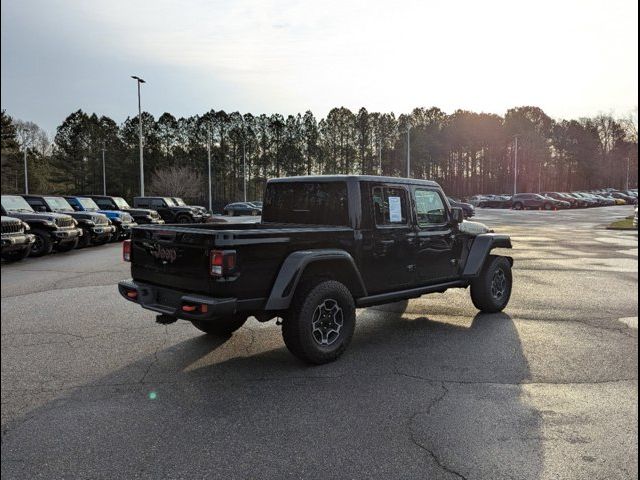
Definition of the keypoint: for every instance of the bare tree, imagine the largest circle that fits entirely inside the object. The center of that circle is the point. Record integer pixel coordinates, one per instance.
(176, 181)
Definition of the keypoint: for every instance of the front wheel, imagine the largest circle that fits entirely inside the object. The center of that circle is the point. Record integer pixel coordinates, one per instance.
(491, 291)
(220, 327)
(85, 239)
(184, 219)
(548, 206)
(42, 244)
(321, 322)
(518, 206)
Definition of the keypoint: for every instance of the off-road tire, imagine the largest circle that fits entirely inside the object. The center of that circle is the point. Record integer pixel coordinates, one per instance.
(220, 327)
(298, 329)
(17, 255)
(43, 244)
(67, 246)
(483, 294)
(184, 219)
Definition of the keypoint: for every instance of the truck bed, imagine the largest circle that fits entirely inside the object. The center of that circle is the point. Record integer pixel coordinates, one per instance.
(177, 256)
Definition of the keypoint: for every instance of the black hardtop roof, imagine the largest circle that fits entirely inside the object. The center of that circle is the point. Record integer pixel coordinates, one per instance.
(355, 178)
(166, 196)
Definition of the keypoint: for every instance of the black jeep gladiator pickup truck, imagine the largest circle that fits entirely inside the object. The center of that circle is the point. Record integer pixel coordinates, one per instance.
(326, 245)
(51, 230)
(169, 210)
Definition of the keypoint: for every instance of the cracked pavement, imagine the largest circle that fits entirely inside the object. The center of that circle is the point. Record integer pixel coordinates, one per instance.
(93, 388)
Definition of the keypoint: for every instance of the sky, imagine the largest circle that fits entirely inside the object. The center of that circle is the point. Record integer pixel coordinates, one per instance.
(573, 58)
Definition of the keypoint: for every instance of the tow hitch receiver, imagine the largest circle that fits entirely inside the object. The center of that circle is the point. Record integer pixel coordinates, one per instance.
(163, 319)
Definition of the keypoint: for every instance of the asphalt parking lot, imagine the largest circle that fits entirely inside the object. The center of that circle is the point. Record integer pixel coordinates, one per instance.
(93, 388)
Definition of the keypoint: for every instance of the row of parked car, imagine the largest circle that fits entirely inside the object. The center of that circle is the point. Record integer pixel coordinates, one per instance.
(557, 200)
(36, 225)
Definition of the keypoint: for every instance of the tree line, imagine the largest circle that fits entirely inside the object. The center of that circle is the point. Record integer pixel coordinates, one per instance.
(466, 152)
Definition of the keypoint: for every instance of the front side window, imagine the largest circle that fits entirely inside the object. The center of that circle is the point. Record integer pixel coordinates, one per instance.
(156, 203)
(430, 208)
(389, 206)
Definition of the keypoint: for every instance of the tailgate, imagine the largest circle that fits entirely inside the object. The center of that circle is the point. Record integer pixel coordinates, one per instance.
(173, 257)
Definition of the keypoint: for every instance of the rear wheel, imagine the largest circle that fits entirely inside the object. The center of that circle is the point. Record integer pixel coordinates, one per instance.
(321, 322)
(67, 246)
(221, 327)
(42, 244)
(491, 291)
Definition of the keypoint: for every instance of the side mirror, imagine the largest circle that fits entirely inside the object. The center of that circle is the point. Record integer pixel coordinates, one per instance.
(457, 215)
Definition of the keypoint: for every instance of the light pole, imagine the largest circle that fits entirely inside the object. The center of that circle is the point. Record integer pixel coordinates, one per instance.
(244, 170)
(408, 150)
(209, 164)
(26, 170)
(104, 173)
(380, 157)
(139, 81)
(515, 168)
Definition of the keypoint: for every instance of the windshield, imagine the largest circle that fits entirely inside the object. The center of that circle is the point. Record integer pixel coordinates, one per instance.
(89, 204)
(15, 204)
(121, 203)
(180, 202)
(170, 202)
(58, 203)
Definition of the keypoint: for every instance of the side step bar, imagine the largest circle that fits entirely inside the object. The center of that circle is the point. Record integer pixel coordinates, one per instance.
(390, 297)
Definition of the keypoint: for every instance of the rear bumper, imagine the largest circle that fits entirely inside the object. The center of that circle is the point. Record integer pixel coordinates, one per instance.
(171, 302)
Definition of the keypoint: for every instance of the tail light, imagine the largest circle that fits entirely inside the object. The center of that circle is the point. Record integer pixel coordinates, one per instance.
(126, 250)
(222, 262)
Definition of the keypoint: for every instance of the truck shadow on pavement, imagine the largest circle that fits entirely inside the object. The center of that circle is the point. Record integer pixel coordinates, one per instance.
(411, 398)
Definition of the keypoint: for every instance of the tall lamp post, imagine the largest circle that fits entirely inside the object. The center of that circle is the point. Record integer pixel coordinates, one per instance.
(515, 167)
(209, 165)
(104, 172)
(139, 81)
(408, 150)
(26, 170)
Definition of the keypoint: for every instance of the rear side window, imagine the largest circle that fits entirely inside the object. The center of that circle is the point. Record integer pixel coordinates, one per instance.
(308, 203)
(389, 206)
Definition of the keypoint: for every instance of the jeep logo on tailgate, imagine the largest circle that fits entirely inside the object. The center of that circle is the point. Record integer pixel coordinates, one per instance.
(167, 255)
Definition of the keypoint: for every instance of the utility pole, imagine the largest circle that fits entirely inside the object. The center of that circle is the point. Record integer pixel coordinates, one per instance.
(139, 80)
(515, 169)
(408, 150)
(26, 170)
(628, 169)
(380, 157)
(209, 163)
(104, 173)
(244, 171)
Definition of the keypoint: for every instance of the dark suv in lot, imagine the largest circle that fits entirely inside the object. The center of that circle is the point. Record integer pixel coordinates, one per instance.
(96, 227)
(324, 246)
(142, 216)
(51, 230)
(534, 201)
(122, 222)
(16, 239)
(169, 210)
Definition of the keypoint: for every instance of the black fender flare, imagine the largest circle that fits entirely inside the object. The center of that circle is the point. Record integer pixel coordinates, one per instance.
(481, 249)
(293, 268)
